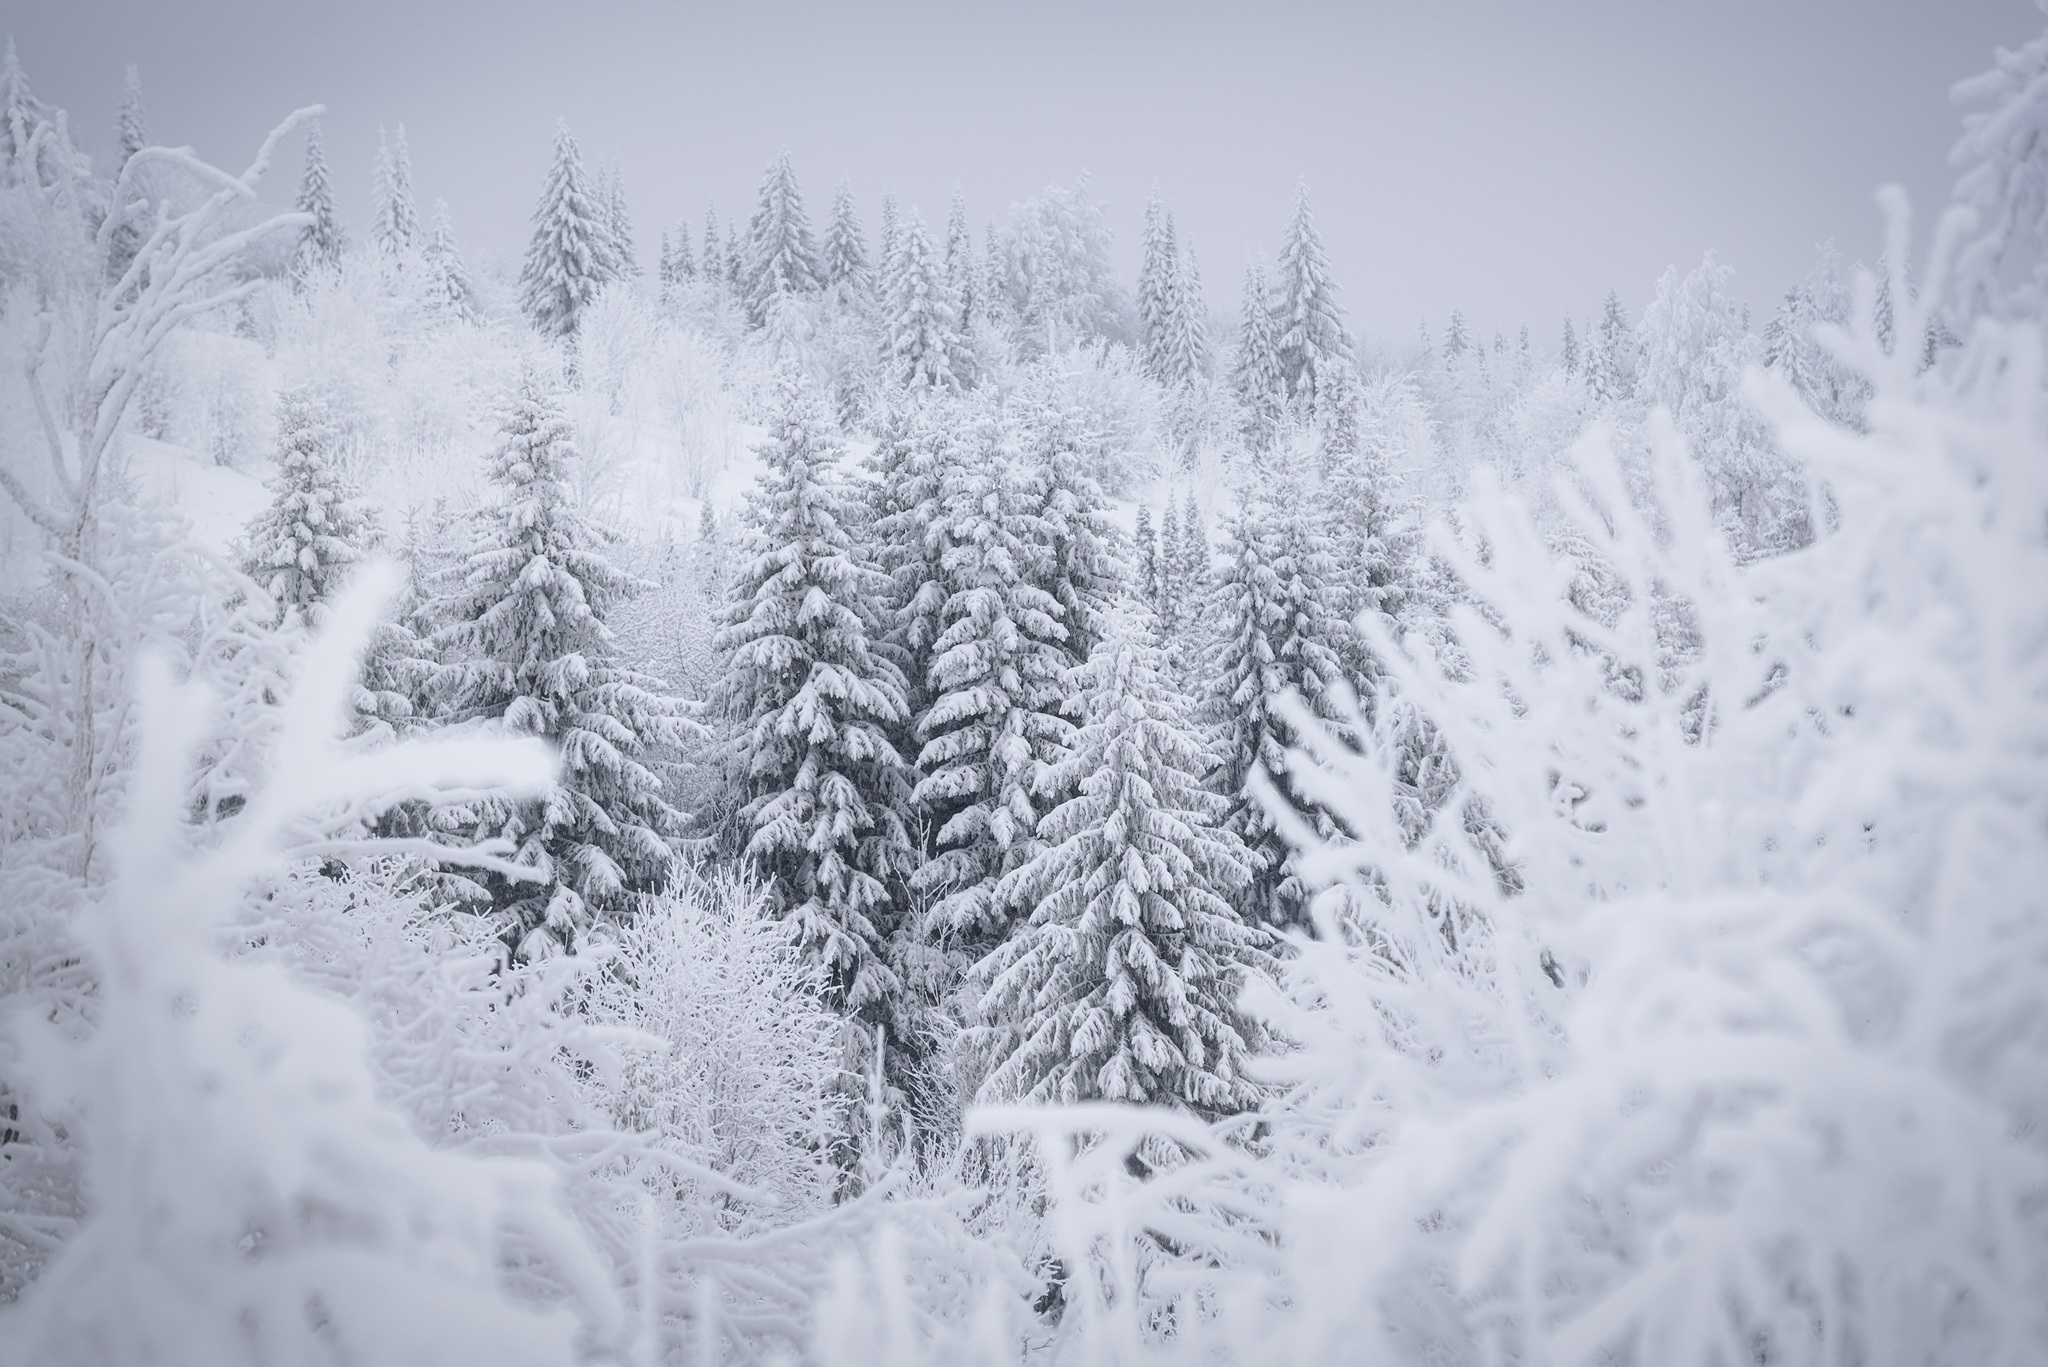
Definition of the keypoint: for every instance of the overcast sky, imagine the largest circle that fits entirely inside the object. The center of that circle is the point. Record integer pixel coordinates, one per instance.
(1510, 159)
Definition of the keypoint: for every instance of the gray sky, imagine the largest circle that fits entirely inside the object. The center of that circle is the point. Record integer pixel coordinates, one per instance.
(1510, 159)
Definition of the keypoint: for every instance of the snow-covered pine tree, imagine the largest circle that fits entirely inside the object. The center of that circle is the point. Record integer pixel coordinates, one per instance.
(619, 224)
(1568, 352)
(131, 132)
(1276, 609)
(320, 243)
(1457, 337)
(816, 709)
(1611, 354)
(1791, 349)
(1123, 984)
(734, 262)
(1081, 563)
(924, 347)
(1158, 288)
(20, 112)
(449, 288)
(1257, 377)
(316, 528)
(1147, 542)
(962, 275)
(781, 255)
(529, 652)
(994, 725)
(887, 245)
(1184, 359)
(570, 257)
(1162, 593)
(911, 535)
(848, 275)
(1308, 320)
(713, 258)
(395, 216)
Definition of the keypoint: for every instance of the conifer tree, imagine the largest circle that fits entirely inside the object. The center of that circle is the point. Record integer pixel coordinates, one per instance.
(911, 535)
(1611, 354)
(887, 246)
(817, 709)
(395, 220)
(20, 112)
(1163, 593)
(735, 262)
(713, 258)
(922, 338)
(530, 652)
(1457, 339)
(320, 243)
(1184, 359)
(1310, 324)
(619, 223)
(1148, 553)
(993, 726)
(961, 275)
(131, 133)
(449, 288)
(1279, 633)
(570, 257)
(847, 272)
(1257, 378)
(1158, 289)
(1568, 353)
(781, 256)
(1123, 984)
(1078, 563)
(678, 268)
(315, 530)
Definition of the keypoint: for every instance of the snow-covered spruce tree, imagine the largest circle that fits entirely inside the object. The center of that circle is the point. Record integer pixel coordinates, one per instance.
(909, 532)
(618, 220)
(1310, 325)
(2002, 158)
(1792, 348)
(816, 710)
(1080, 562)
(1278, 636)
(962, 274)
(316, 529)
(843, 264)
(1146, 543)
(449, 288)
(1694, 350)
(570, 257)
(678, 266)
(1256, 376)
(320, 241)
(1568, 351)
(1611, 360)
(995, 679)
(781, 260)
(529, 653)
(1184, 360)
(21, 113)
(924, 347)
(1055, 266)
(395, 215)
(1123, 983)
(1158, 291)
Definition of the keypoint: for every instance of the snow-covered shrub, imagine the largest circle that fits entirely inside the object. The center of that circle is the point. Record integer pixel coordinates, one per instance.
(248, 1193)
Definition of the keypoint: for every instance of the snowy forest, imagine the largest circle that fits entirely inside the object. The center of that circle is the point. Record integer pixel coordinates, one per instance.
(851, 786)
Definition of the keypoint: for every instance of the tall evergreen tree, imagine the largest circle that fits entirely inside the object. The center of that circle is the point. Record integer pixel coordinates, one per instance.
(1310, 324)
(1123, 984)
(619, 223)
(817, 709)
(1079, 562)
(1147, 542)
(530, 652)
(961, 275)
(313, 533)
(395, 220)
(781, 256)
(993, 726)
(1158, 289)
(713, 258)
(320, 243)
(20, 112)
(1257, 377)
(131, 132)
(1568, 352)
(922, 337)
(678, 267)
(887, 246)
(1184, 358)
(1611, 354)
(847, 271)
(1275, 607)
(570, 257)
(449, 288)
